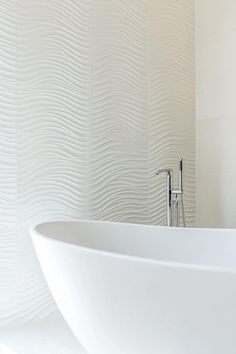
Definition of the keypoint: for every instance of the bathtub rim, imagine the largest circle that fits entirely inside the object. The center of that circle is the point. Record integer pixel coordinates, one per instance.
(171, 264)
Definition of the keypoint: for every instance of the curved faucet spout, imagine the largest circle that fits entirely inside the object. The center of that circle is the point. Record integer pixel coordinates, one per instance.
(167, 171)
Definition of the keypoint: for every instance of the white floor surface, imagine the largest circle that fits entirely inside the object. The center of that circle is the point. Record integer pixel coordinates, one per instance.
(51, 336)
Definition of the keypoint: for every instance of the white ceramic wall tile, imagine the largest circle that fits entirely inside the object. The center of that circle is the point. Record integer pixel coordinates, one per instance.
(217, 77)
(171, 100)
(7, 161)
(172, 68)
(118, 111)
(216, 145)
(216, 125)
(52, 132)
(214, 17)
(215, 200)
(105, 96)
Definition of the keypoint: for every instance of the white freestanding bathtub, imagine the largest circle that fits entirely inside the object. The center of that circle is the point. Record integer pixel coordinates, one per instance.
(136, 289)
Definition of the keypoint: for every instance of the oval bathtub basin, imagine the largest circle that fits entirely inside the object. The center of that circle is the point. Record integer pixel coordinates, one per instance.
(139, 289)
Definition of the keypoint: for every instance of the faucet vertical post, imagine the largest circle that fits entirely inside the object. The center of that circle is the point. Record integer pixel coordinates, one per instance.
(174, 196)
(168, 198)
(168, 172)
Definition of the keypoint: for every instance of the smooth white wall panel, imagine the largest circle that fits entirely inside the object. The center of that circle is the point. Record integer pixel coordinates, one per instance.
(216, 118)
(96, 96)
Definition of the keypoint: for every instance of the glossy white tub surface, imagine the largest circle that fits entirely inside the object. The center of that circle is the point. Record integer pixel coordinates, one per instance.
(138, 289)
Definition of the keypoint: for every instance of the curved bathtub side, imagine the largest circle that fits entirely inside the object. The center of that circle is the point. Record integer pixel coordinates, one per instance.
(210, 248)
(125, 306)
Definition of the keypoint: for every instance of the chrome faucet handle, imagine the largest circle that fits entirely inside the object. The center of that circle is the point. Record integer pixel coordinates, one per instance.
(167, 171)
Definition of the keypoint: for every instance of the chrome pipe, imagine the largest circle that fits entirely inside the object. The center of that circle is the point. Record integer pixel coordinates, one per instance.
(168, 172)
(174, 197)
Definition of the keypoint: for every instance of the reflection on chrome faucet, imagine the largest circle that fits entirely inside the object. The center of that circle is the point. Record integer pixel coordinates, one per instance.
(174, 197)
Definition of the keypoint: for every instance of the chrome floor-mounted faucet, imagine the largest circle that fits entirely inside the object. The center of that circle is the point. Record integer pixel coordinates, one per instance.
(174, 197)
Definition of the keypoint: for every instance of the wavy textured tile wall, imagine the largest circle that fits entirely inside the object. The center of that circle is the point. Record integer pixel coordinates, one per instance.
(118, 110)
(52, 129)
(104, 97)
(7, 160)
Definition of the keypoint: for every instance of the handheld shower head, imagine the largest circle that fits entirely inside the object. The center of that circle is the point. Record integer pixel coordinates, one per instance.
(181, 174)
